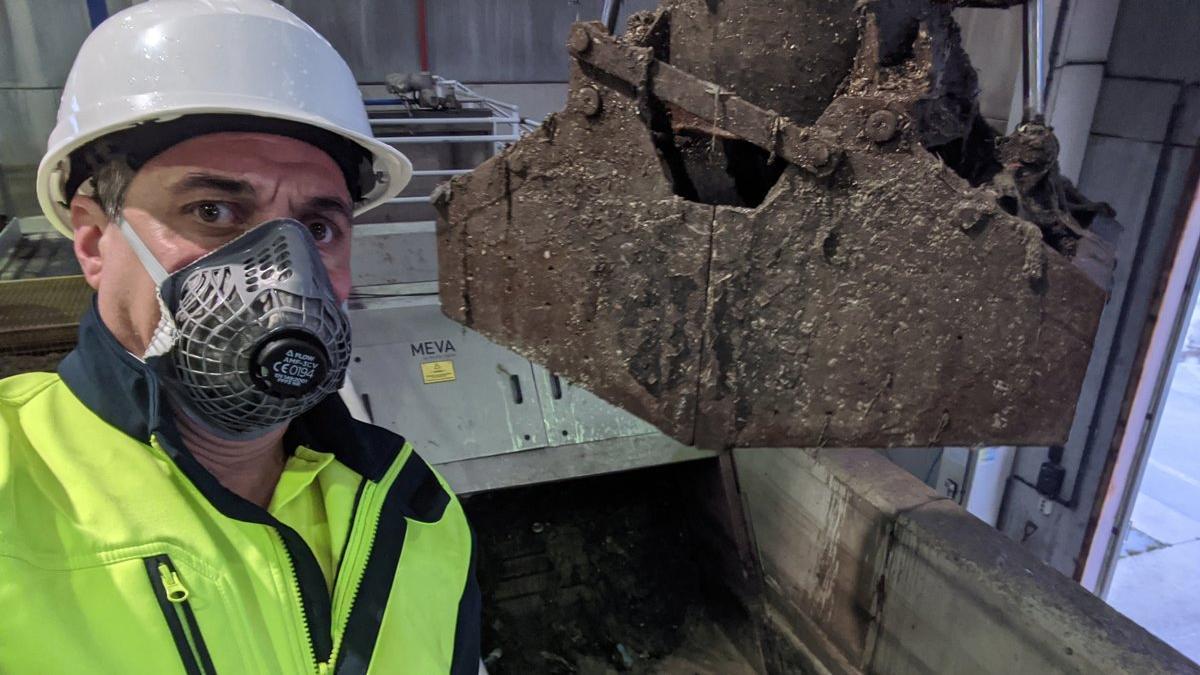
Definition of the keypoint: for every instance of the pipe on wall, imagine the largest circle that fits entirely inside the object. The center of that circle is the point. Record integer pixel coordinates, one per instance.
(423, 36)
(1033, 68)
(609, 13)
(97, 11)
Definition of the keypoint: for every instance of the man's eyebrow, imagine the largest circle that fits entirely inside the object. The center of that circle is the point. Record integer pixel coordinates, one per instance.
(330, 204)
(208, 181)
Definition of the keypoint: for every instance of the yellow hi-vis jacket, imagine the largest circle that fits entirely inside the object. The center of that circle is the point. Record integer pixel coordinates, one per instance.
(119, 553)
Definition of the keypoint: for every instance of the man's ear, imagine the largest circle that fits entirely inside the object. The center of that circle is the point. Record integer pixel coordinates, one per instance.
(88, 221)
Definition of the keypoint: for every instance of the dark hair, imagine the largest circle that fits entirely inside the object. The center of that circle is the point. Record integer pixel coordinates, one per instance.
(109, 183)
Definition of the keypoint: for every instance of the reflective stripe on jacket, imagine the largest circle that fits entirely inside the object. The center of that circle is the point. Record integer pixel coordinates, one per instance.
(119, 553)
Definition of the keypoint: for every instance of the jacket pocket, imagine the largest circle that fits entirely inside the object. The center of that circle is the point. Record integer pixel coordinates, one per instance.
(172, 597)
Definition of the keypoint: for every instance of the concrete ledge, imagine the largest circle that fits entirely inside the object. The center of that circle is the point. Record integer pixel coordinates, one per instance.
(542, 465)
(875, 572)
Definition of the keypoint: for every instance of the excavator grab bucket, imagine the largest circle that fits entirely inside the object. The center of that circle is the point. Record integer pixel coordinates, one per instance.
(785, 224)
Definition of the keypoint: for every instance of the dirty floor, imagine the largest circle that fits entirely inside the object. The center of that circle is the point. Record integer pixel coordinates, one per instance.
(598, 575)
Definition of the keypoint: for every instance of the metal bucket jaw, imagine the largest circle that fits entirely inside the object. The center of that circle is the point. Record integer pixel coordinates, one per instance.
(873, 268)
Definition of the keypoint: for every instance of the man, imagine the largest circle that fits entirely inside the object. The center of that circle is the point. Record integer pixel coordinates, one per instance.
(188, 493)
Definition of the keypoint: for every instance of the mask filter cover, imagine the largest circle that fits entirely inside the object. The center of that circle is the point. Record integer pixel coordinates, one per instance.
(289, 366)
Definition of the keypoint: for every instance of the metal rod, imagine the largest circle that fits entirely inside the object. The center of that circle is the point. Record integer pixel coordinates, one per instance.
(423, 36)
(409, 200)
(1034, 62)
(500, 138)
(608, 15)
(445, 120)
(97, 11)
(475, 98)
(442, 172)
(464, 94)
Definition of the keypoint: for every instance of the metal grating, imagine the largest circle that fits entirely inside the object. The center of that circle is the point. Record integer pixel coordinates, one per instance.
(37, 254)
(41, 315)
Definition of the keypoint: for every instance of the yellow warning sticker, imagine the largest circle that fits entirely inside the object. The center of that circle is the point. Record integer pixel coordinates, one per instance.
(433, 372)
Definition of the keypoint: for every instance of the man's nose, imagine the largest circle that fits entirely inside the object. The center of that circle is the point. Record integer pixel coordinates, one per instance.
(278, 212)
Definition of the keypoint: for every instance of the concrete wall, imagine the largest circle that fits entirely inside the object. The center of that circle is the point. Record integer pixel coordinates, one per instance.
(1080, 51)
(37, 44)
(1140, 101)
(873, 572)
(495, 41)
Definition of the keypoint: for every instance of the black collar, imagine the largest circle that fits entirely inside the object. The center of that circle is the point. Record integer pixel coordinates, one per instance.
(125, 392)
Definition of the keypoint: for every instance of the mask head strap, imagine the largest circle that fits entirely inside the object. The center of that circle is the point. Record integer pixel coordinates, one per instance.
(157, 272)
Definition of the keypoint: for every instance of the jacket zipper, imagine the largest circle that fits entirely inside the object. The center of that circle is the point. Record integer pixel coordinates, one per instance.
(325, 665)
(306, 629)
(321, 667)
(366, 542)
(172, 597)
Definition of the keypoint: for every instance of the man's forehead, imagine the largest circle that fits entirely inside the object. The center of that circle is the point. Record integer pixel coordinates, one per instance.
(249, 154)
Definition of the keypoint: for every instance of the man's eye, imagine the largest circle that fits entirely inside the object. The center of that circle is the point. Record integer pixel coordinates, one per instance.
(214, 212)
(321, 231)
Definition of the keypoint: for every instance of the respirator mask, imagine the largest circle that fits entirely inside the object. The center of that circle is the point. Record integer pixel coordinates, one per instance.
(252, 333)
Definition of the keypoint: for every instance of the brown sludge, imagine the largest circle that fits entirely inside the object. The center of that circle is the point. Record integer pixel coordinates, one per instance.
(824, 246)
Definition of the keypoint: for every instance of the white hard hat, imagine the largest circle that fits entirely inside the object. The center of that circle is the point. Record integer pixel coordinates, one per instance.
(232, 63)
